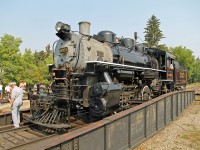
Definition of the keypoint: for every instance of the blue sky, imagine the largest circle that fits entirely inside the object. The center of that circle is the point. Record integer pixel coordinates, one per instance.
(34, 20)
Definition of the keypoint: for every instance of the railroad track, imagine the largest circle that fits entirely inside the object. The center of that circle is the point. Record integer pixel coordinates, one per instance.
(18, 137)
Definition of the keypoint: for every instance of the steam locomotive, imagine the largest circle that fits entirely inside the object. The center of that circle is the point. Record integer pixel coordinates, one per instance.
(100, 75)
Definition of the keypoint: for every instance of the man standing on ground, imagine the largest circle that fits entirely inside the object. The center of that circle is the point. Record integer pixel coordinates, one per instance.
(16, 103)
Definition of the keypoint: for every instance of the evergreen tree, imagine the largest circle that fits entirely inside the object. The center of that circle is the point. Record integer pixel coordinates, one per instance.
(153, 32)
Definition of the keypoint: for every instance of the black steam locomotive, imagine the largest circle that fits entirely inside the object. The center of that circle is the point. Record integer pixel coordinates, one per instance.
(100, 75)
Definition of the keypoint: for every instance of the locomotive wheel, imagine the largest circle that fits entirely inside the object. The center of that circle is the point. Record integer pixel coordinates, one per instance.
(146, 93)
(97, 107)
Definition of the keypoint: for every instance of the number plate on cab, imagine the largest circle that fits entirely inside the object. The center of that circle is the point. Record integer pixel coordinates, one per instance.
(63, 50)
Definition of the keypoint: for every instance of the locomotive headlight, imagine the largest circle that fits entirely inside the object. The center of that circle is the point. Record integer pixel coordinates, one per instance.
(62, 26)
(58, 26)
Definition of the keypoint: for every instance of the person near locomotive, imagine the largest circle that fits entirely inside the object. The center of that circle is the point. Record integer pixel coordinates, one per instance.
(23, 85)
(7, 90)
(42, 88)
(16, 103)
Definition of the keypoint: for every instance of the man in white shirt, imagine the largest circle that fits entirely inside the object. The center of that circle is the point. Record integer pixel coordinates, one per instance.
(16, 103)
(7, 90)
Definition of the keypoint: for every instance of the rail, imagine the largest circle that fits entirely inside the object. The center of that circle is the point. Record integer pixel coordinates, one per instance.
(19, 136)
(124, 130)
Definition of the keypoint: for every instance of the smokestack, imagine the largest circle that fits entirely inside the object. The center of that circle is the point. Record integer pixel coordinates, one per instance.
(84, 27)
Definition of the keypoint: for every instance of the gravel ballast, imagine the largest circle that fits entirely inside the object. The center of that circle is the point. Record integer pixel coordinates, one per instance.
(183, 133)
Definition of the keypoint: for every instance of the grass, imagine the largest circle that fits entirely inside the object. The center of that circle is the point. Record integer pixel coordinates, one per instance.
(193, 138)
(193, 85)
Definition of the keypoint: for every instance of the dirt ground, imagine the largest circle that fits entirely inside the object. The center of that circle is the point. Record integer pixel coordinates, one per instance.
(182, 134)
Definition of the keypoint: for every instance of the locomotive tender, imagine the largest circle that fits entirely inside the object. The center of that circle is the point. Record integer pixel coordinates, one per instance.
(100, 75)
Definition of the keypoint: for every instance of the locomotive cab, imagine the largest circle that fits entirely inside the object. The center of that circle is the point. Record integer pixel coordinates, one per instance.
(165, 61)
(173, 76)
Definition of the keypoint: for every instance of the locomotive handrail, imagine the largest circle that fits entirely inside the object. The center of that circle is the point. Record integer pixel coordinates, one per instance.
(165, 80)
(122, 65)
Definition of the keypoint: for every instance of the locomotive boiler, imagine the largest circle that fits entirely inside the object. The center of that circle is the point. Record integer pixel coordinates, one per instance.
(97, 75)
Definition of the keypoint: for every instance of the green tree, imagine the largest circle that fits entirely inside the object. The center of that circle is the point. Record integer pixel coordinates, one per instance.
(30, 67)
(9, 57)
(185, 58)
(29, 71)
(164, 47)
(195, 77)
(42, 59)
(153, 32)
(48, 50)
